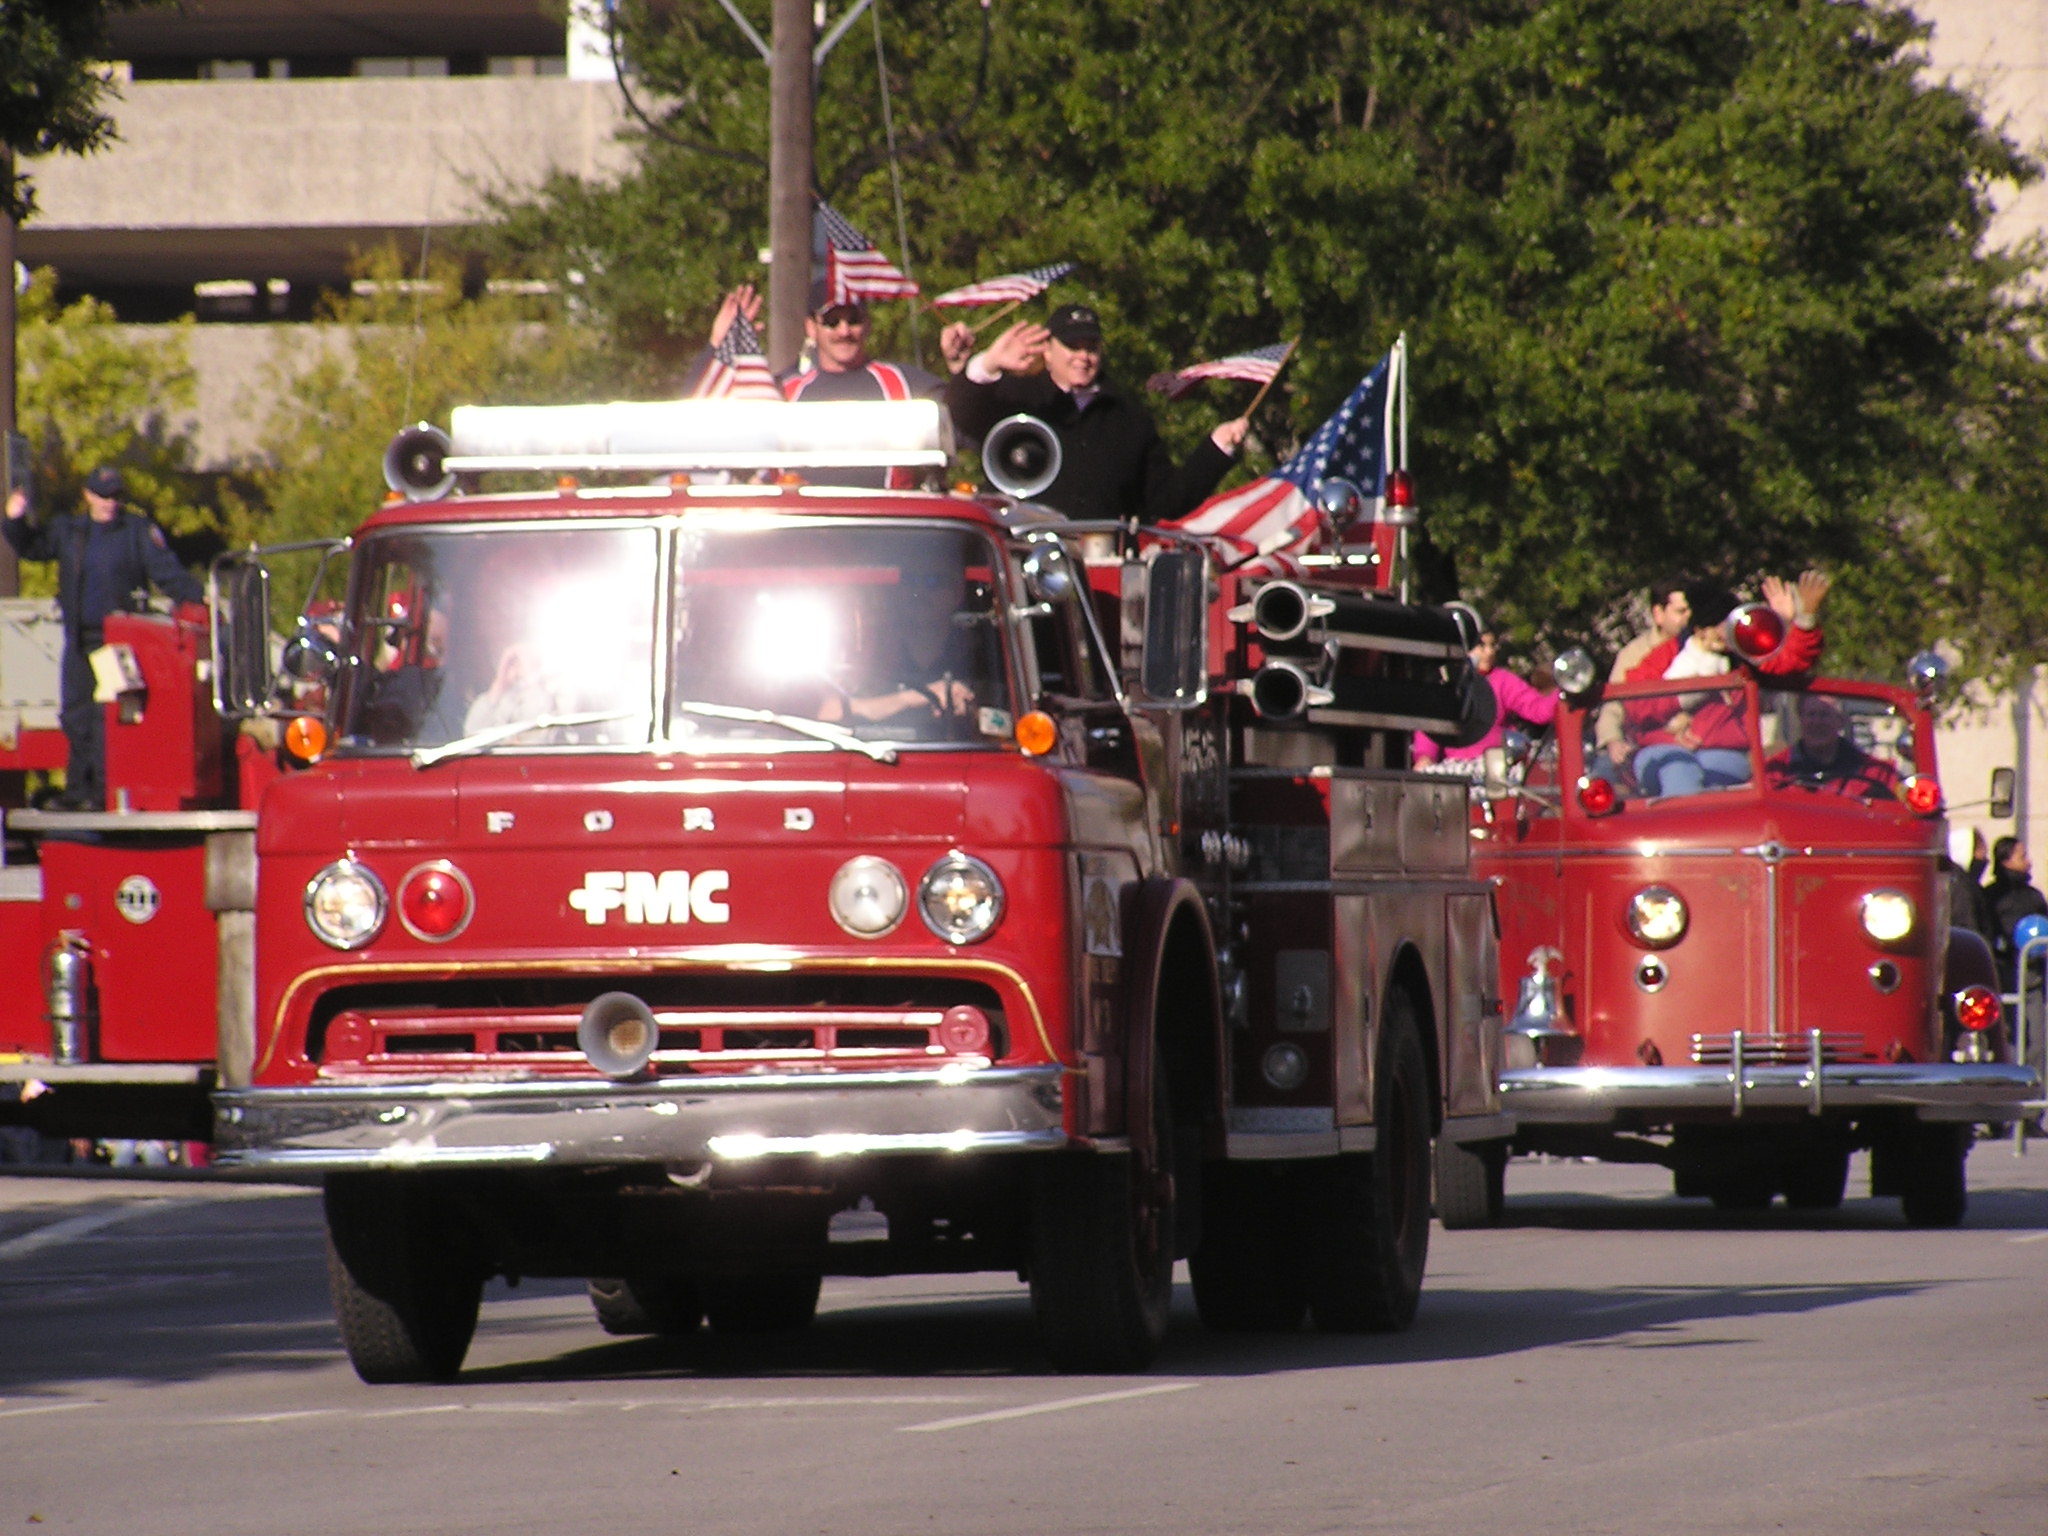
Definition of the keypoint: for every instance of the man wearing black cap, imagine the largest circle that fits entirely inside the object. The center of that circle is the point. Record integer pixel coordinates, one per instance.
(1112, 463)
(102, 559)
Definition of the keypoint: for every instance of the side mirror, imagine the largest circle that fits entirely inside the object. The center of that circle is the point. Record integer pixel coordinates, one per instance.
(239, 594)
(1173, 673)
(309, 656)
(1048, 574)
(2005, 787)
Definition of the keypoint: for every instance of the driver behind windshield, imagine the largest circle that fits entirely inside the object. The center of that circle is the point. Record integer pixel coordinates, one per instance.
(919, 673)
(1825, 759)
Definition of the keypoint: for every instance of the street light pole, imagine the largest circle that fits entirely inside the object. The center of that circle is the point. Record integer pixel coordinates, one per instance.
(790, 86)
(10, 569)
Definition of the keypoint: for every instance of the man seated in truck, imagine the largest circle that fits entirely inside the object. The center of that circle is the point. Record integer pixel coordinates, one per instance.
(921, 670)
(1824, 759)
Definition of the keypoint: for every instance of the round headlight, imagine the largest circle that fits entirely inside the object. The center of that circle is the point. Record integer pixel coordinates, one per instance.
(868, 897)
(1656, 917)
(345, 905)
(960, 899)
(1285, 1066)
(1887, 916)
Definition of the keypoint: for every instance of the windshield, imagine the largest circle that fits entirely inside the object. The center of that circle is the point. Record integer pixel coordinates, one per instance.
(1822, 743)
(885, 632)
(1686, 742)
(453, 634)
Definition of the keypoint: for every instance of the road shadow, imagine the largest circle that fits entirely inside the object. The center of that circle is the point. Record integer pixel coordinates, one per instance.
(1990, 1209)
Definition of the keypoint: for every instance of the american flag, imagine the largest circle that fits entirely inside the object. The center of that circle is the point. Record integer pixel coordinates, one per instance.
(854, 269)
(1279, 511)
(1010, 288)
(1259, 366)
(738, 370)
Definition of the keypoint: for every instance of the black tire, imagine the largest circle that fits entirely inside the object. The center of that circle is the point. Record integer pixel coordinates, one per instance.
(1818, 1181)
(1936, 1187)
(1367, 1219)
(1471, 1184)
(1742, 1190)
(778, 1302)
(406, 1285)
(1246, 1276)
(1102, 1245)
(647, 1304)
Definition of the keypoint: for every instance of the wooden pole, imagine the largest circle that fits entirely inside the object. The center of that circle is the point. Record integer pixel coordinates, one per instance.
(10, 569)
(790, 150)
(1261, 395)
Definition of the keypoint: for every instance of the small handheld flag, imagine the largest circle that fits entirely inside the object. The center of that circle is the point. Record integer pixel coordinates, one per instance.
(1259, 366)
(1010, 288)
(854, 269)
(738, 370)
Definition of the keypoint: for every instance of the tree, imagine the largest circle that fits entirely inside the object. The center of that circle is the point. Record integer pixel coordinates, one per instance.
(404, 346)
(94, 393)
(51, 93)
(1688, 283)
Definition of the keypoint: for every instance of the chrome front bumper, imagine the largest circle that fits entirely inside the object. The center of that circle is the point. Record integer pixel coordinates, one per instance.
(1958, 1091)
(340, 1127)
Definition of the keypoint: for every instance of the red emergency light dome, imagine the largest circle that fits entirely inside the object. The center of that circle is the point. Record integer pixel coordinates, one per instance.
(1922, 794)
(435, 902)
(1755, 631)
(1597, 796)
(1400, 488)
(1978, 1008)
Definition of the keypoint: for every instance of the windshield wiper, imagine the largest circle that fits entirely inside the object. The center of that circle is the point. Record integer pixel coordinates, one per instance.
(426, 757)
(817, 730)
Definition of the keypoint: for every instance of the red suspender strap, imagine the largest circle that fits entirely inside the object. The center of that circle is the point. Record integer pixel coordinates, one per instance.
(793, 389)
(890, 377)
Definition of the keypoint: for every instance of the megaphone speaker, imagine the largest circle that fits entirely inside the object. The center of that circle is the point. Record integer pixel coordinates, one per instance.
(413, 463)
(1021, 455)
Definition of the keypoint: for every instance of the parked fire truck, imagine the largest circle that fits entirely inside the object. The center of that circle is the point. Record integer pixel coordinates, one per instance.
(1751, 975)
(697, 860)
(126, 933)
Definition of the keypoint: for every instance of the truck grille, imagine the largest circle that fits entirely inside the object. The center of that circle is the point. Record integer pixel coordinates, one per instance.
(1781, 1050)
(708, 1024)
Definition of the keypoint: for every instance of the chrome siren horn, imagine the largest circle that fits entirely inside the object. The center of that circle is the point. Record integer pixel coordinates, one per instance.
(413, 463)
(618, 1033)
(1021, 456)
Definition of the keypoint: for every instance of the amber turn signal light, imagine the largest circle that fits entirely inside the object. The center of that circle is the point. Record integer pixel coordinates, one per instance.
(306, 738)
(1036, 733)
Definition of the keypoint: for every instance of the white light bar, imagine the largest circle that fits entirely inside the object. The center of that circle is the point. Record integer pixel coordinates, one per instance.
(700, 434)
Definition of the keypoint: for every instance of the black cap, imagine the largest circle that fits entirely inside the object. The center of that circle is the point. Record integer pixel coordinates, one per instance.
(106, 481)
(822, 298)
(1074, 325)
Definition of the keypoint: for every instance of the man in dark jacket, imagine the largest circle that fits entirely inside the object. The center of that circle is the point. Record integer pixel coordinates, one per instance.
(103, 557)
(1112, 463)
(2010, 896)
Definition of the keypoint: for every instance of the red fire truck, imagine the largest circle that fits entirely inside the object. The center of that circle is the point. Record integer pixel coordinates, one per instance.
(696, 860)
(1744, 970)
(126, 933)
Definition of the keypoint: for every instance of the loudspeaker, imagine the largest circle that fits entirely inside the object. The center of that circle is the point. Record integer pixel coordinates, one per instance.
(1021, 456)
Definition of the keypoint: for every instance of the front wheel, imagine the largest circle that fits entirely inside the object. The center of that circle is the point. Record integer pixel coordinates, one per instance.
(1818, 1181)
(1247, 1278)
(1471, 1184)
(406, 1287)
(1102, 1245)
(780, 1302)
(1936, 1188)
(1368, 1216)
(639, 1304)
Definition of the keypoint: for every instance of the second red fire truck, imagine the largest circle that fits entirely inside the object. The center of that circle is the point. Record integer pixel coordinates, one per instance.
(697, 859)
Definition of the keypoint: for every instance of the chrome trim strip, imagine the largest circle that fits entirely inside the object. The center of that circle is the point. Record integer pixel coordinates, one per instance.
(146, 1074)
(1937, 1090)
(132, 821)
(685, 1118)
(1283, 1146)
(1464, 1128)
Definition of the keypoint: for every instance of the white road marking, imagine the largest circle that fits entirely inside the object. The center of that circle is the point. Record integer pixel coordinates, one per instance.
(2031, 1237)
(1058, 1405)
(22, 1413)
(587, 1405)
(1630, 1306)
(71, 1227)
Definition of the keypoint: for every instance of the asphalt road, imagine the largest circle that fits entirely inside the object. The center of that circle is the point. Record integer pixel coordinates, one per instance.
(1615, 1360)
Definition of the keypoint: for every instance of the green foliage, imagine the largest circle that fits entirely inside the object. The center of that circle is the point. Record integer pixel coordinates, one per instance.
(1689, 284)
(399, 349)
(91, 392)
(50, 91)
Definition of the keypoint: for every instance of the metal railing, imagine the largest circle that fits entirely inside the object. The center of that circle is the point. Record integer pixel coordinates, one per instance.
(2024, 1030)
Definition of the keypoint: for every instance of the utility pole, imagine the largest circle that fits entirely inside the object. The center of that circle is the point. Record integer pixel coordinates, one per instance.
(790, 85)
(10, 569)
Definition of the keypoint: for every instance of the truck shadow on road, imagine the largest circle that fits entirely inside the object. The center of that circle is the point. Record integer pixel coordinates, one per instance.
(1992, 1209)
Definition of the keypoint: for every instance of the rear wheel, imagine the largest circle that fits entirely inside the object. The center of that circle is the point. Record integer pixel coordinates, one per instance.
(780, 1302)
(1246, 1276)
(1102, 1244)
(406, 1285)
(1818, 1180)
(1368, 1216)
(1471, 1184)
(1936, 1189)
(647, 1304)
(1743, 1189)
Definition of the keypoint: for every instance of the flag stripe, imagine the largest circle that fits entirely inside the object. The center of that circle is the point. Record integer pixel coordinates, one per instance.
(1011, 287)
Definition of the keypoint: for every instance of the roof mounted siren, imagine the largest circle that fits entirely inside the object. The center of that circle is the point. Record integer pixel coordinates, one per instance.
(415, 463)
(1021, 456)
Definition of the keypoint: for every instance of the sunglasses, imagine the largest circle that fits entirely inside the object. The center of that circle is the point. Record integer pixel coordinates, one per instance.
(842, 314)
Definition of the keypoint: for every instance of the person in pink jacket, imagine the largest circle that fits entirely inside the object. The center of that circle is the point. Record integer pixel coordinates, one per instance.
(1516, 698)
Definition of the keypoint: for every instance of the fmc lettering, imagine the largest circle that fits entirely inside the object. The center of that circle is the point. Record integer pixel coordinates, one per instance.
(672, 896)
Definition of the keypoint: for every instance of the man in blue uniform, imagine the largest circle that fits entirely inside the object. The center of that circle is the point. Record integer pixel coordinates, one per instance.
(103, 558)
